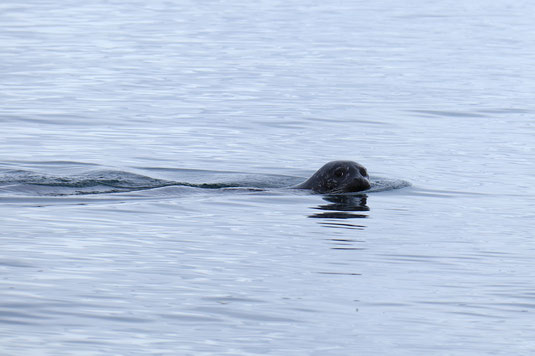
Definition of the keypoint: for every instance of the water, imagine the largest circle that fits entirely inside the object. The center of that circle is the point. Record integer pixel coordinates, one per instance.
(261, 94)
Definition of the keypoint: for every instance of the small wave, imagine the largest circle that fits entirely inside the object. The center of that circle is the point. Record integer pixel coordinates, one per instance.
(110, 181)
(384, 184)
(115, 179)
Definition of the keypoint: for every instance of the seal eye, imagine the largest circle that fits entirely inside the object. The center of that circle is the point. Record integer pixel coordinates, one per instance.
(339, 173)
(363, 172)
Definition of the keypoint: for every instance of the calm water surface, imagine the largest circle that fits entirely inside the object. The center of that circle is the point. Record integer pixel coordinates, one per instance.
(103, 100)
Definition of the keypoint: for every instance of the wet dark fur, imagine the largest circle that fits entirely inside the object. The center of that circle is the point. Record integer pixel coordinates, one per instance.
(338, 177)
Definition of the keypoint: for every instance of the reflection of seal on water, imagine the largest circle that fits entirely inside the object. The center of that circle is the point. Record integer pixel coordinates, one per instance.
(338, 177)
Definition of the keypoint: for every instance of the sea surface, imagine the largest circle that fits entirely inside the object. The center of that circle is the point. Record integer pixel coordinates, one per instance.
(147, 150)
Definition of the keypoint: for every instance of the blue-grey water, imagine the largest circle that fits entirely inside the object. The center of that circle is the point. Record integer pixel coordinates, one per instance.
(146, 148)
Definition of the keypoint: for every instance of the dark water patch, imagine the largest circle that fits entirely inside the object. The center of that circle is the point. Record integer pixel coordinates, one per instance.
(190, 318)
(118, 318)
(57, 119)
(228, 300)
(14, 322)
(247, 316)
(341, 273)
(297, 125)
(438, 193)
(451, 114)
(485, 315)
(77, 310)
(345, 120)
(408, 258)
(481, 309)
(92, 343)
(12, 263)
(337, 225)
(342, 242)
(505, 111)
(21, 315)
(517, 305)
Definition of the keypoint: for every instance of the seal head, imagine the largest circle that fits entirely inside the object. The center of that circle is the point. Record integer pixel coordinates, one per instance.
(338, 177)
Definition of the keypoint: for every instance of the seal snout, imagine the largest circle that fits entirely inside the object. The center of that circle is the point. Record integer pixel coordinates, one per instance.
(361, 183)
(365, 183)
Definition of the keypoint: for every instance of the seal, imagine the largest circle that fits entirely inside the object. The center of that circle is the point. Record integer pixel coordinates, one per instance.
(338, 177)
